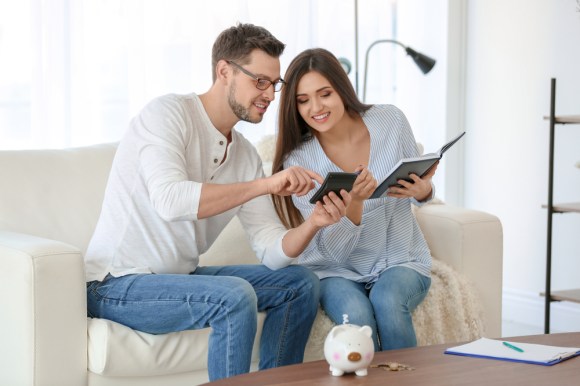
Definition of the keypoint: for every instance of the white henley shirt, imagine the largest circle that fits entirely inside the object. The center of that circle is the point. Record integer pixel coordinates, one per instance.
(148, 221)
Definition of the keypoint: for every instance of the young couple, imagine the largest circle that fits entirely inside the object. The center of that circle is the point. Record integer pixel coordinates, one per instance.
(182, 172)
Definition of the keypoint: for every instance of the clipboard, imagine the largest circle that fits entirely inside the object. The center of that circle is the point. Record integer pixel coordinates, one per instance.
(537, 354)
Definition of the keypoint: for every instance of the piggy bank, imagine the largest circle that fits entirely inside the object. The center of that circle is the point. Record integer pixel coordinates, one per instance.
(349, 348)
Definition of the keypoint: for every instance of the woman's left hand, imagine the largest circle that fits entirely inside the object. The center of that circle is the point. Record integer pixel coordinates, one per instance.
(364, 185)
(420, 188)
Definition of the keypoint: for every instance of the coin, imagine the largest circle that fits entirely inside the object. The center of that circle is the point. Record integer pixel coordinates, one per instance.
(393, 366)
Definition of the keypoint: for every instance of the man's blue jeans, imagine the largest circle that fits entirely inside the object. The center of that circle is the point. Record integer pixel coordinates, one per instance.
(225, 298)
(386, 306)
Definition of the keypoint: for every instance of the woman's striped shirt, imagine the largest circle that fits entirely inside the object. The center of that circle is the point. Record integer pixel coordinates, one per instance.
(388, 235)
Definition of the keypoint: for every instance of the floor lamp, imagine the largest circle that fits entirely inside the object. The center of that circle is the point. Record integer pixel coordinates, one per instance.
(424, 62)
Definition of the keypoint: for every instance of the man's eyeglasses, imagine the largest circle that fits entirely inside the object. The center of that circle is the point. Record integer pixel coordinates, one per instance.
(261, 83)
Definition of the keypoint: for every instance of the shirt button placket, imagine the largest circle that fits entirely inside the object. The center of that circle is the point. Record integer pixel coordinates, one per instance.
(216, 160)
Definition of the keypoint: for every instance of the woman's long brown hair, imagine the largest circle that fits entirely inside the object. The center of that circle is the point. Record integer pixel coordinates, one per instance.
(292, 129)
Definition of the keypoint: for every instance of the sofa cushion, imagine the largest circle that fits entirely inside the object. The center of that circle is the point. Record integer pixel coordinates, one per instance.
(116, 350)
(54, 193)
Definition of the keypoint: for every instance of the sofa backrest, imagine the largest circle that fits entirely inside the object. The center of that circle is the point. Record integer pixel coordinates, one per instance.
(55, 194)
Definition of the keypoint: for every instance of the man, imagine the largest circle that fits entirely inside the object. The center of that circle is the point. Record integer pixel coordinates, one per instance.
(179, 176)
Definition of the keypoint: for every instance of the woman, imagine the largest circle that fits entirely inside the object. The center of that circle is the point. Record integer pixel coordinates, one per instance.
(374, 264)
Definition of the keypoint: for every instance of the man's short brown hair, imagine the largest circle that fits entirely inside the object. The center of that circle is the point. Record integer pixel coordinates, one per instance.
(236, 43)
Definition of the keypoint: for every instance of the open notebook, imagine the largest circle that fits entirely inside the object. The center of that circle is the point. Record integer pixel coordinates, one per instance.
(538, 354)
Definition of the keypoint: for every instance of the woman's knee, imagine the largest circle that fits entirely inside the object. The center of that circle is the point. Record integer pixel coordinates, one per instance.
(341, 297)
(402, 280)
(401, 289)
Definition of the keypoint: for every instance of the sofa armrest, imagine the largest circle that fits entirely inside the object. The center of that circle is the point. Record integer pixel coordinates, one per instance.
(43, 323)
(472, 243)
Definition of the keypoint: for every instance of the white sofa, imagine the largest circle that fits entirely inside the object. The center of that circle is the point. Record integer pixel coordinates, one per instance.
(49, 204)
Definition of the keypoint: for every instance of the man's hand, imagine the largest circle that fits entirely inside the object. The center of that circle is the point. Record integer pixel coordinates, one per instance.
(420, 188)
(294, 180)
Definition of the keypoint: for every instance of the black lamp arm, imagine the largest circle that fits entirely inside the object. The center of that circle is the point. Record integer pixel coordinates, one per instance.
(424, 62)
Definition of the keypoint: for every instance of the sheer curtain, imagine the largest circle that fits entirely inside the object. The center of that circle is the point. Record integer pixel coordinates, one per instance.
(74, 72)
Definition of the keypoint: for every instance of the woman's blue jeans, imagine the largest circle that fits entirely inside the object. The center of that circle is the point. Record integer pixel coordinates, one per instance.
(386, 306)
(227, 299)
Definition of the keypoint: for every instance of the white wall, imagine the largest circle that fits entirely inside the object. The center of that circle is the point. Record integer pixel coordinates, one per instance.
(513, 49)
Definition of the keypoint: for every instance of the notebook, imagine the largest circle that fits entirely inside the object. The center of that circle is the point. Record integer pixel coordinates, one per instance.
(538, 354)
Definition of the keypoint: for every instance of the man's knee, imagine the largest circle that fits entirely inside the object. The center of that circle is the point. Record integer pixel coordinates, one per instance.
(305, 282)
(240, 297)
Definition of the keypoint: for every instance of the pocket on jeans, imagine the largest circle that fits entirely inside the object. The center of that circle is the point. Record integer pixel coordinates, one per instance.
(99, 289)
(90, 286)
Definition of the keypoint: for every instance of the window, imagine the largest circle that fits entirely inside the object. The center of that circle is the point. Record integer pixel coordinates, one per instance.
(74, 72)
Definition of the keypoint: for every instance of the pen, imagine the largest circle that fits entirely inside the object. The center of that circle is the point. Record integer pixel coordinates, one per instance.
(513, 347)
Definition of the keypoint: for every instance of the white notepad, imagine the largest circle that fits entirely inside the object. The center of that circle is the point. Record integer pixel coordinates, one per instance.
(538, 354)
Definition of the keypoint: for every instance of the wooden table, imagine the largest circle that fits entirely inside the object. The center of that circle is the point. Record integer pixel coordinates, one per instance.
(432, 367)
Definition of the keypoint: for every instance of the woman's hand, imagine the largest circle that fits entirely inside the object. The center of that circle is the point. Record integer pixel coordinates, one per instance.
(326, 212)
(330, 210)
(364, 185)
(420, 188)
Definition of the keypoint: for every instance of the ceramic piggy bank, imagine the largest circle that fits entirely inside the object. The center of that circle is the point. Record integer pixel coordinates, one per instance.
(349, 348)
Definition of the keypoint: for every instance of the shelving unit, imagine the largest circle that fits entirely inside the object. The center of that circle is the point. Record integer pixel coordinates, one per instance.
(569, 295)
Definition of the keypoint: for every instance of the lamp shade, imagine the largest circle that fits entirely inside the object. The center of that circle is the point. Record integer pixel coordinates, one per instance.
(345, 63)
(424, 62)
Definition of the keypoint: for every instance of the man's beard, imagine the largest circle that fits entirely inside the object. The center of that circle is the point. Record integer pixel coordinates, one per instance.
(243, 113)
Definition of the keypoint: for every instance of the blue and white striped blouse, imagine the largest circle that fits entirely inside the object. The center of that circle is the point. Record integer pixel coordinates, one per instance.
(388, 235)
